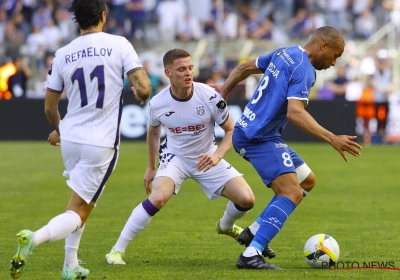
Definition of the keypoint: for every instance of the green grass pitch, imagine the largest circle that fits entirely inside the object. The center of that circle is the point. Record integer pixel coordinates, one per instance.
(356, 202)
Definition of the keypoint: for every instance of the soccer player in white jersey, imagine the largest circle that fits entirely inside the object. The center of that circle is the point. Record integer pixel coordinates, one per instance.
(281, 96)
(91, 68)
(189, 111)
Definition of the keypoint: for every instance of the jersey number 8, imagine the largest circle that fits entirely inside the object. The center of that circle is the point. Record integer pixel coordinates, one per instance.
(260, 89)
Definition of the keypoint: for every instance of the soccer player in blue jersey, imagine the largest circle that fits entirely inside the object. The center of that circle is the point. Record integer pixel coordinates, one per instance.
(281, 96)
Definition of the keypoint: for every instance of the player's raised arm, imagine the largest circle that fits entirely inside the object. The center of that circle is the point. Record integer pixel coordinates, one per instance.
(141, 84)
(238, 74)
(301, 118)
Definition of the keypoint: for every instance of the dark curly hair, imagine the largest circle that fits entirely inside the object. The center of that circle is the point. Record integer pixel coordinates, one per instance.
(87, 13)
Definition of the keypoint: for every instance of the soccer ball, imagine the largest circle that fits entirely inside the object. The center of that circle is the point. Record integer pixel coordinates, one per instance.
(321, 251)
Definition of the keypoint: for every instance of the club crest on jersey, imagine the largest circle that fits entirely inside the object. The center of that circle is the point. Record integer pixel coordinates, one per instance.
(200, 111)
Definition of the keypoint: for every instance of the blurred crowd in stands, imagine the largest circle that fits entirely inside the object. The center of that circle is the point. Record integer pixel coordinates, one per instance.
(32, 30)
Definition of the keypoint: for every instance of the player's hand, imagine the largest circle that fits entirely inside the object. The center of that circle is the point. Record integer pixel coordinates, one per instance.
(148, 178)
(345, 143)
(137, 97)
(207, 161)
(54, 138)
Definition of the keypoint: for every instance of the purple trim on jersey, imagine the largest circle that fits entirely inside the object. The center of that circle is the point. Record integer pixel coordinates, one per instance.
(149, 207)
(106, 176)
(55, 91)
(118, 136)
(133, 70)
(181, 100)
(224, 122)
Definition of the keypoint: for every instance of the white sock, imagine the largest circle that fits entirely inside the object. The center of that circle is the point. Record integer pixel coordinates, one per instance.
(137, 222)
(230, 216)
(251, 251)
(71, 248)
(254, 227)
(58, 228)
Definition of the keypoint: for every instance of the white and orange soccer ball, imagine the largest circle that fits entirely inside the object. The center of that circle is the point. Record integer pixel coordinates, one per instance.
(321, 251)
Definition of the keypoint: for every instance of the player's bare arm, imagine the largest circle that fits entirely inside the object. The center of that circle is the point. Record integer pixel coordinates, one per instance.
(240, 73)
(141, 84)
(208, 161)
(301, 118)
(153, 144)
(53, 115)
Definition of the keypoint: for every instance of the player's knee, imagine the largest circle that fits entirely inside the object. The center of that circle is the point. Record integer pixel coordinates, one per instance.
(247, 201)
(158, 199)
(297, 196)
(309, 182)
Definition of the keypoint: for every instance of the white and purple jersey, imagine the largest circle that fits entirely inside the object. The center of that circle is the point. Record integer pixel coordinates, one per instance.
(288, 74)
(92, 69)
(190, 122)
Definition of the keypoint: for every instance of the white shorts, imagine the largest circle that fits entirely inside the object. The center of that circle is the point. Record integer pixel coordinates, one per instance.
(88, 168)
(212, 181)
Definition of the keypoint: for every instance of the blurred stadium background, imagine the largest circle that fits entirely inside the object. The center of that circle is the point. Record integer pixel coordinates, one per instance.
(219, 34)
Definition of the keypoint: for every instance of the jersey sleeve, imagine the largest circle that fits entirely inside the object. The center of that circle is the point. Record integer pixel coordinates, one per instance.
(130, 59)
(300, 84)
(153, 120)
(55, 81)
(262, 62)
(219, 109)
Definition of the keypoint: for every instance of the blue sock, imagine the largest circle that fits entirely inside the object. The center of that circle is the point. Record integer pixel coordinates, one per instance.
(259, 219)
(274, 216)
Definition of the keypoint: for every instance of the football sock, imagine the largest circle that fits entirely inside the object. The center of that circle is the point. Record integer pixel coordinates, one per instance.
(60, 227)
(71, 248)
(138, 221)
(272, 221)
(259, 219)
(232, 213)
(251, 251)
(254, 227)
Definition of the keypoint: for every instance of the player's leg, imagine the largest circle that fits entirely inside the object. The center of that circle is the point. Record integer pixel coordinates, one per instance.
(241, 200)
(306, 179)
(224, 180)
(168, 181)
(87, 169)
(60, 227)
(289, 195)
(271, 161)
(163, 189)
(88, 178)
(71, 268)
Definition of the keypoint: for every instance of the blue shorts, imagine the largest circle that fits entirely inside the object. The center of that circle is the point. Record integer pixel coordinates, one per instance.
(270, 159)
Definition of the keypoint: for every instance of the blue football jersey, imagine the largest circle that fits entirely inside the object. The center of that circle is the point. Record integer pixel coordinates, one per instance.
(288, 74)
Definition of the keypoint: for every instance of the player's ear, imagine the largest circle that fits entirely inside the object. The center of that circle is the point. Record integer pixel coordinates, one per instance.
(103, 16)
(167, 72)
(324, 45)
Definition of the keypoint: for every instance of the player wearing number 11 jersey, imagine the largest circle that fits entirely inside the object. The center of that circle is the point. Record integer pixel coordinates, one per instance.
(91, 70)
(281, 96)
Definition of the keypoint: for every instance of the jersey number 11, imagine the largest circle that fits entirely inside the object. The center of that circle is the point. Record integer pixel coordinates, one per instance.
(98, 72)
